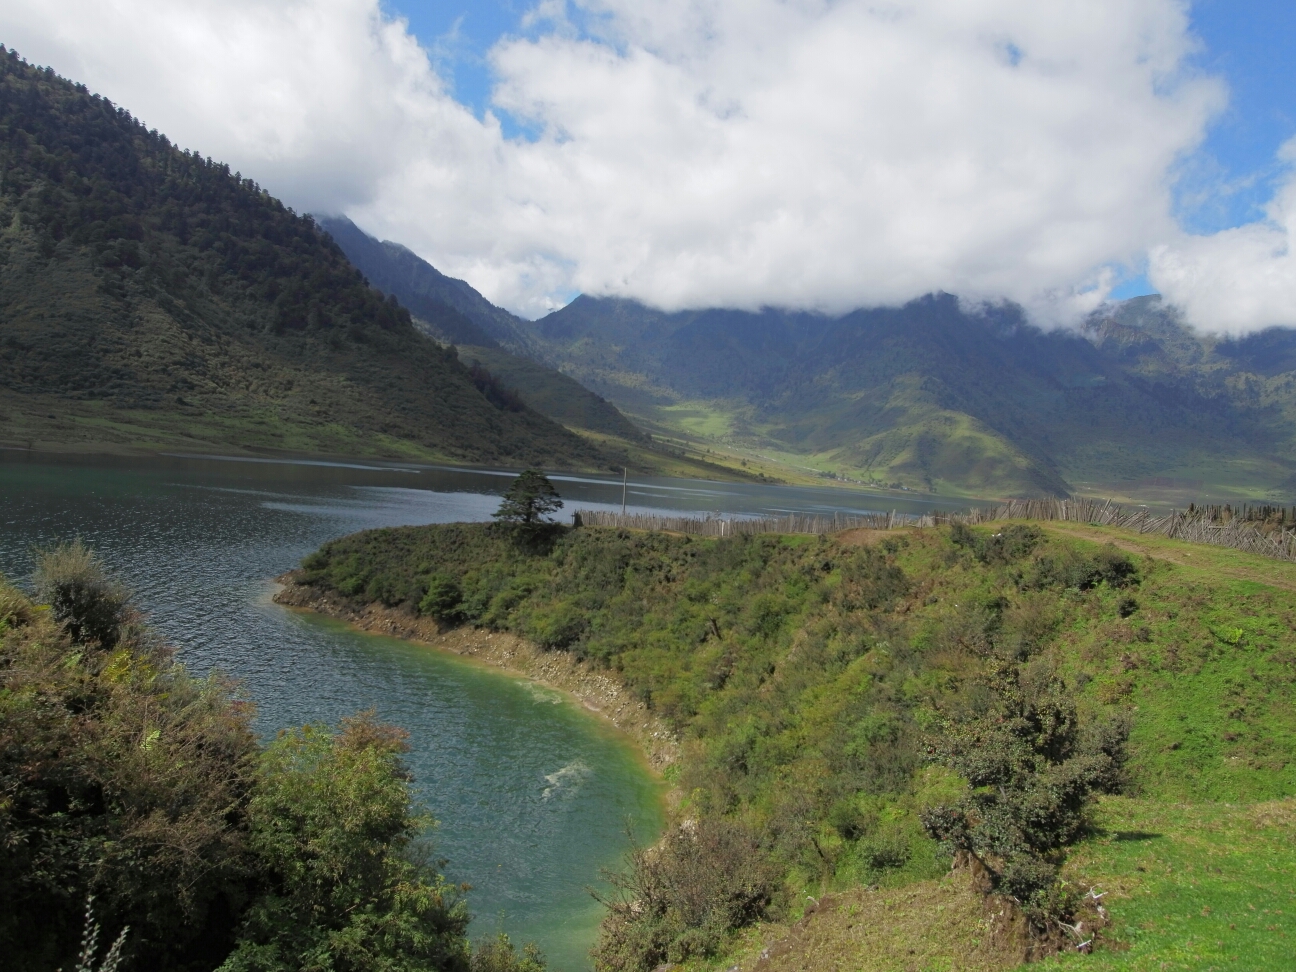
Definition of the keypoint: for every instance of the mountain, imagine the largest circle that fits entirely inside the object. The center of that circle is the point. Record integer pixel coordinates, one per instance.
(151, 298)
(936, 396)
(428, 293)
(453, 312)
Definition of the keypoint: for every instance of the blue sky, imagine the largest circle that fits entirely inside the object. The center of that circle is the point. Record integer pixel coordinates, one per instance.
(1251, 44)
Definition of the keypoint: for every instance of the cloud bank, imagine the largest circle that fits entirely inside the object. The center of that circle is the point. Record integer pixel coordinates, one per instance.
(688, 153)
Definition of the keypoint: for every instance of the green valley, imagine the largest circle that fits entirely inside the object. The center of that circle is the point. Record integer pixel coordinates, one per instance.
(959, 401)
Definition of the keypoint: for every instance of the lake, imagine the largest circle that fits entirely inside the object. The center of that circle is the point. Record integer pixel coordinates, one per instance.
(533, 794)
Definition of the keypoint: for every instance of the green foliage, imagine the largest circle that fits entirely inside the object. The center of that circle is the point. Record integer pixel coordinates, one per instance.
(1010, 544)
(127, 782)
(1034, 768)
(148, 293)
(91, 605)
(443, 598)
(528, 500)
(803, 675)
(499, 954)
(681, 898)
(1084, 572)
(123, 778)
(332, 824)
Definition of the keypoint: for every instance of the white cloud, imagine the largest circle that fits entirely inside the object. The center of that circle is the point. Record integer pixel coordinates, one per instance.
(1237, 280)
(694, 152)
(319, 100)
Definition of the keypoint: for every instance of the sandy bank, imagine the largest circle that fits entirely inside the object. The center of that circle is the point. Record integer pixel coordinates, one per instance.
(592, 686)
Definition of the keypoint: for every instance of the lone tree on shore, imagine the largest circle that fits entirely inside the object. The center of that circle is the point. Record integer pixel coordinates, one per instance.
(528, 500)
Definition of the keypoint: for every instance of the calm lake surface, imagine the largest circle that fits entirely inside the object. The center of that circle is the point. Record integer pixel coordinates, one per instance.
(533, 794)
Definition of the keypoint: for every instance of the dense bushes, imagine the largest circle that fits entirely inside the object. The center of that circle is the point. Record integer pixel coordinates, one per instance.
(803, 673)
(331, 828)
(126, 779)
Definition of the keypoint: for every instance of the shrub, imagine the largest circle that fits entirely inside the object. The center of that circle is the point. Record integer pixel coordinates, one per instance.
(333, 826)
(1034, 768)
(443, 598)
(1072, 569)
(499, 954)
(1010, 544)
(124, 778)
(93, 606)
(681, 899)
(558, 627)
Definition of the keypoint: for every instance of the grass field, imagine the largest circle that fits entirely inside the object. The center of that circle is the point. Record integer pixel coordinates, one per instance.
(1191, 886)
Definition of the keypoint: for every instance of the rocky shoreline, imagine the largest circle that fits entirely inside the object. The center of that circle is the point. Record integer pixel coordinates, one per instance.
(596, 689)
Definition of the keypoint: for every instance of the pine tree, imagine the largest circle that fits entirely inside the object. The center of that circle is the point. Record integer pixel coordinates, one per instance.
(528, 499)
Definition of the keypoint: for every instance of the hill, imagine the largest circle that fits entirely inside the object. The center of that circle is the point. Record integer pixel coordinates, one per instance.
(450, 311)
(836, 697)
(151, 298)
(939, 397)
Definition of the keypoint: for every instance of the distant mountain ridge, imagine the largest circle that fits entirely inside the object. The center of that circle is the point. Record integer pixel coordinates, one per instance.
(151, 298)
(935, 397)
(450, 305)
(504, 344)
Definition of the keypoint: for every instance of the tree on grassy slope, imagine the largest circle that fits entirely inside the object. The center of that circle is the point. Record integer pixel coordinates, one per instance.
(1034, 767)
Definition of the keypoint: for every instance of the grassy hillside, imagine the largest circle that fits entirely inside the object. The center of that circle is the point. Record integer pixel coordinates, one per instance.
(938, 397)
(813, 678)
(151, 298)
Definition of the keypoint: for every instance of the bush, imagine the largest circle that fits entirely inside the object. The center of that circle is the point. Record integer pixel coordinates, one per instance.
(443, 598)
(1010, 544)
(682, 898)
(332, 824)
(558, 627)
(499, 954)
(123, 778)
(1034, 768)
(1072, 569)
(91, 605)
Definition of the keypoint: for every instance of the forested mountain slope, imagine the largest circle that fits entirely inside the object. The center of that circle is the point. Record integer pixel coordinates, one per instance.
(450, 305)
(152, 298)
(451, 311)
(936, 396)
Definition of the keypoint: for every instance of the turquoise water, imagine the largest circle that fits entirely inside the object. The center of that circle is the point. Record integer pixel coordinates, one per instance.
(533, 794)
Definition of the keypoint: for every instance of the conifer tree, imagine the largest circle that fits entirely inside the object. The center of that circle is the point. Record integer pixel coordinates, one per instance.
(528, 500)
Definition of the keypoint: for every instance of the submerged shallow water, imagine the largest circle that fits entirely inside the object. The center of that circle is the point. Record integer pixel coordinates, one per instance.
(533, 794)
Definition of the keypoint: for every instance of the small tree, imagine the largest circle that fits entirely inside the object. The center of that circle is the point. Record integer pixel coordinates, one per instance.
(528, 500)
(1034, 767)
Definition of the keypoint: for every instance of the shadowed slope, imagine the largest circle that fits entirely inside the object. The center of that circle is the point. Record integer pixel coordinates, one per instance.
(150, 297)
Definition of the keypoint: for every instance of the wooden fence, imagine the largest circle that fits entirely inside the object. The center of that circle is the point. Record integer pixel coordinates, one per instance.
(1207, 526)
